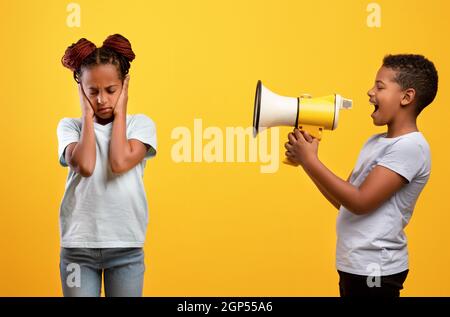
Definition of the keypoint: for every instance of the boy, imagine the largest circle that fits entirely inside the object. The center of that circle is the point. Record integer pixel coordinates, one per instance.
(377, 200)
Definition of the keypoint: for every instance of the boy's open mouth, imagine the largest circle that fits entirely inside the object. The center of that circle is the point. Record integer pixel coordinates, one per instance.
(375, 105)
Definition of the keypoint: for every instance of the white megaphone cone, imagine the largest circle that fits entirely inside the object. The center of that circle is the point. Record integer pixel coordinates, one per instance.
(273, 110)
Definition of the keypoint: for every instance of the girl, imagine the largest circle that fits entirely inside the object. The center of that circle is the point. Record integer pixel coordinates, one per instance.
(103, 213)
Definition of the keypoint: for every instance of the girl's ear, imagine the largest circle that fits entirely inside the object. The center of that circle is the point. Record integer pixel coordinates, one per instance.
(408, 96)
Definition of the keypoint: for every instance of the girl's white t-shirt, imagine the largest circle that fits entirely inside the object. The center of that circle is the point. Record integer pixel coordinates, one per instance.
(105, 210)
(375, 243)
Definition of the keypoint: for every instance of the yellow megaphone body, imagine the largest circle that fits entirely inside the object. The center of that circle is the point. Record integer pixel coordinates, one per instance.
(312, 114)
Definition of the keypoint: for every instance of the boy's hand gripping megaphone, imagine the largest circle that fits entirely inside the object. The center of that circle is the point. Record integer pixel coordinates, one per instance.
(311, 114)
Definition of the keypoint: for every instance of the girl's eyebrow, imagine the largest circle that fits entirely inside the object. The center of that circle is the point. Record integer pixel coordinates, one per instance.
(379, 81)
(92, 87)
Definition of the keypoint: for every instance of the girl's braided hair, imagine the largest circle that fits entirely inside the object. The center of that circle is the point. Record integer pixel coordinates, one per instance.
(116, 50)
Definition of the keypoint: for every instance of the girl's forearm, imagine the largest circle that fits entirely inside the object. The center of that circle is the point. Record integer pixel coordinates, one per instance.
(119, 147)
(84, 153)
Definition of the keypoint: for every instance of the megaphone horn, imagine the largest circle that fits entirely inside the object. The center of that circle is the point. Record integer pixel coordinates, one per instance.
(271, 109)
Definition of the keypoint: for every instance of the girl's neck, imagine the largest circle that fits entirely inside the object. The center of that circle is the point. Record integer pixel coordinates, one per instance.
(103, 121)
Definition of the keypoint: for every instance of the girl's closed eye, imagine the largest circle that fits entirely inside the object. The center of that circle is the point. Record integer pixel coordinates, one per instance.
(93, 93)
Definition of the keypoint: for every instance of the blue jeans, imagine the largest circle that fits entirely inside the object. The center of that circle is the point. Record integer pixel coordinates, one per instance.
(81, 272)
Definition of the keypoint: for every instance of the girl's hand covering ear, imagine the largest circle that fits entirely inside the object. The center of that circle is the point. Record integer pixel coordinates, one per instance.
(86, 107)
(121, 106)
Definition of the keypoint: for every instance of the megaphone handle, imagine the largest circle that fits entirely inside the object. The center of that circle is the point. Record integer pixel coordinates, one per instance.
(287, 162)
(312, 130)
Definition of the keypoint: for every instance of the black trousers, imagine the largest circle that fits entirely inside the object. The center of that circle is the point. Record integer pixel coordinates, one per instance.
(389, 286)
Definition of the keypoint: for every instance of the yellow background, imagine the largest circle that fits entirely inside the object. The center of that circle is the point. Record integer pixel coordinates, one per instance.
(217, 229)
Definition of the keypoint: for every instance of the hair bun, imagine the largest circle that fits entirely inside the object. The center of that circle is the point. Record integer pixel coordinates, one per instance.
(121, 45)
(76, 52)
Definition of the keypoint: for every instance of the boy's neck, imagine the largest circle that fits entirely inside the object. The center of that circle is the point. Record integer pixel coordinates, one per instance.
(396, 129)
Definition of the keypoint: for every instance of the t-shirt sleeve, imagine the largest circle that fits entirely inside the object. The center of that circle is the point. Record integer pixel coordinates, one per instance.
(67, 132)
(404, 157)
(144, 130)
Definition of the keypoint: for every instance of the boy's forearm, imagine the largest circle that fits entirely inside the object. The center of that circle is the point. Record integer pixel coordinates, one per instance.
(119, 147)
(327, 195)
(341, 191)
(84, 153)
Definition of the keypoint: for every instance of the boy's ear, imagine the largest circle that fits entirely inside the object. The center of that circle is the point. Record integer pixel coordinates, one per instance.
(408, 96)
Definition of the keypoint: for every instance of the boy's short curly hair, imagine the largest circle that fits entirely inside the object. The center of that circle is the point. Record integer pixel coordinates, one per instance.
(417, 72)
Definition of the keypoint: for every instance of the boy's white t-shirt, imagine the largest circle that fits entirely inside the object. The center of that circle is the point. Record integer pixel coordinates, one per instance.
(375, 243)
(105, 210)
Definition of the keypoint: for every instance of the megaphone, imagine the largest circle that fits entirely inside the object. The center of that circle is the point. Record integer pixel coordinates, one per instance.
(311, 114)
